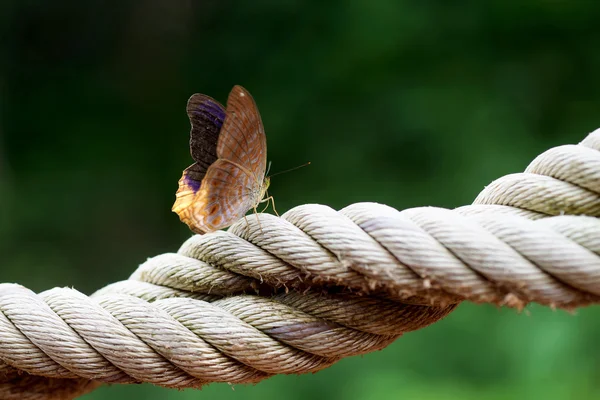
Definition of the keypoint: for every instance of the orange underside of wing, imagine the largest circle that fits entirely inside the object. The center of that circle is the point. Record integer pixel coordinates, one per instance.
(226, 194)
(183, 206)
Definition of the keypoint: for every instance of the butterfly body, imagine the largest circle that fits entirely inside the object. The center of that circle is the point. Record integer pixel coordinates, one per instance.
(228, 178)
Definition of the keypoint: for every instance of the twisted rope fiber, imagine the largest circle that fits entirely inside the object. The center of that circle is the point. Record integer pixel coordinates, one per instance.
(295, 294)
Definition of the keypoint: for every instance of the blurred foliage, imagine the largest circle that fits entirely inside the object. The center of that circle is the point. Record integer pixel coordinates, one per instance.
(401, 102)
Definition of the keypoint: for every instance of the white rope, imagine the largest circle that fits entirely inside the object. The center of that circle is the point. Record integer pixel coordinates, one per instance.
(297, 293)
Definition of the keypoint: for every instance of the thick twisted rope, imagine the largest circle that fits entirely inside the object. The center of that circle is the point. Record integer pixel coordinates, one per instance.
(295, 294)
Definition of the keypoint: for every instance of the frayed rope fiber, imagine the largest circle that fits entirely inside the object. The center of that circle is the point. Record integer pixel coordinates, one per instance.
(295, 294)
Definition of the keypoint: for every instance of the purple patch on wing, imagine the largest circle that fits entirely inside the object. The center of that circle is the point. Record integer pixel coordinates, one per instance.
(194, 184)
(193, 175)
(214, 110)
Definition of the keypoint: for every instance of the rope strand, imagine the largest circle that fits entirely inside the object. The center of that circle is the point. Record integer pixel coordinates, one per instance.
(295, 294)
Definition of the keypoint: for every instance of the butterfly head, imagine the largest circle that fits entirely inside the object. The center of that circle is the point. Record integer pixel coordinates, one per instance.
(266, 182)
(265, 186)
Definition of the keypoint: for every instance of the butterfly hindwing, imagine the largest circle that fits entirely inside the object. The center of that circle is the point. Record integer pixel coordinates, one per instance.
(206, 117)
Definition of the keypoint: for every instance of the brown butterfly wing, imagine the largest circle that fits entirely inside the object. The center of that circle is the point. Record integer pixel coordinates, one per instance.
(224, 197)
(242, 139)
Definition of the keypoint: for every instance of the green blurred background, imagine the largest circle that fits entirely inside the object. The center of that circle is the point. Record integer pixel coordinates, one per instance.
(401, 102)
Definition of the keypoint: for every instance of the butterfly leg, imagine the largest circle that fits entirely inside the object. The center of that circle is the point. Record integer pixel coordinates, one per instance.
(258, 220)
(267, 206)
(274, 209)
(270, 198)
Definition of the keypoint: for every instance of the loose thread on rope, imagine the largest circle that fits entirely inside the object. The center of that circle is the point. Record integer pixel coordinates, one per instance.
(295, 294)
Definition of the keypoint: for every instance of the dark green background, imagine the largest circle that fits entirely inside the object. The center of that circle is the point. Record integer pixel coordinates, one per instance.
(407, 103)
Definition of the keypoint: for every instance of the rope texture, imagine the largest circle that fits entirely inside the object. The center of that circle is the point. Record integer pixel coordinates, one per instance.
(296, 294)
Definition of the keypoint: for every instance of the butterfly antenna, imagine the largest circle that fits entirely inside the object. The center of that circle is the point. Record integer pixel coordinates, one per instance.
(288, 170)
(268, 168)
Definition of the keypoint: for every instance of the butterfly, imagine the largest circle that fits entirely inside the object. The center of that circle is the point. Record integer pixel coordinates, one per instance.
(229, 147)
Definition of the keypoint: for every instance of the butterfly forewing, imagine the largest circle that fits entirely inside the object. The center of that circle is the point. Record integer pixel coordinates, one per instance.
(243, 139)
